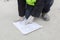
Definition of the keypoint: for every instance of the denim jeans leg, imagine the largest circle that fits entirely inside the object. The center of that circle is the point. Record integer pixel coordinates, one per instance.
(28, 11)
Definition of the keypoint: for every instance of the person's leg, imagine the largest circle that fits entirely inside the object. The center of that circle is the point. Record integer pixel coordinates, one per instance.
(46, 9)
(21, 9)
(27, 12)
(29, 18)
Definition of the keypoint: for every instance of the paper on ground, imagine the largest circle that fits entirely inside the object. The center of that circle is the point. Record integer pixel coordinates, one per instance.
(25, 29)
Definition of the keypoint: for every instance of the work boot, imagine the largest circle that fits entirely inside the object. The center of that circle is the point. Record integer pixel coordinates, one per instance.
(45, 17)
(20, 18)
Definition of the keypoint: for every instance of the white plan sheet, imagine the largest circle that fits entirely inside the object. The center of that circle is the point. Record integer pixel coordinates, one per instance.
(25, 29)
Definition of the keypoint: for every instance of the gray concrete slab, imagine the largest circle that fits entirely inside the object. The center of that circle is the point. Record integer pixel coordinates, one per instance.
(9, 14)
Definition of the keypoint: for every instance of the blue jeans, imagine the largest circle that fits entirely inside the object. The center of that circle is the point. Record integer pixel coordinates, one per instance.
(28, 11)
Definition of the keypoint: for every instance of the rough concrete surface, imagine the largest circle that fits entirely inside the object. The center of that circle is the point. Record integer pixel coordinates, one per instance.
(9, 14)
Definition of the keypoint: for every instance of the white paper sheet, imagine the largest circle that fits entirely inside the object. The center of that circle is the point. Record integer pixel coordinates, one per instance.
(25, 29)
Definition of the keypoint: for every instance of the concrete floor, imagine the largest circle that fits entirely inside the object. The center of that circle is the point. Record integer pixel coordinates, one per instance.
(9, 14)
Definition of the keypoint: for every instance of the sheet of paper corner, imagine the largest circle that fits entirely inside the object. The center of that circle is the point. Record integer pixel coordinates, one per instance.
(26, 29)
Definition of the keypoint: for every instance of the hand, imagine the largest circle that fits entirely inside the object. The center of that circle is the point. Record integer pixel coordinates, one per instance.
(29, 20)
